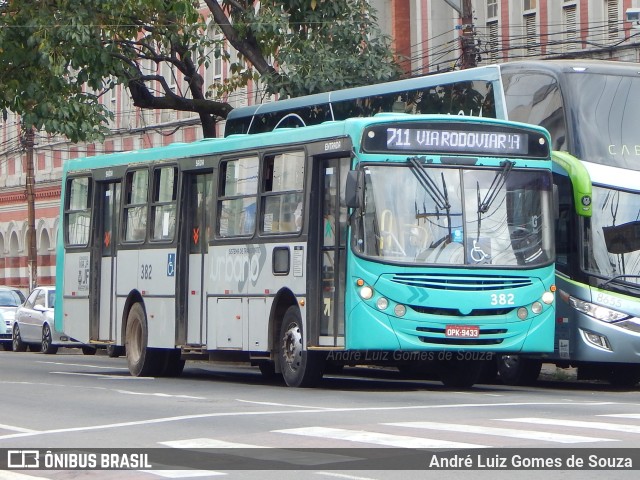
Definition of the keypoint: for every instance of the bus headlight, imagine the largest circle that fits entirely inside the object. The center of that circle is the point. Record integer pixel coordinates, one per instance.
(366, 292)
(523, 313)
(382, 303)
(547, 297)
(536, 307)
(598, 312)
(400, 310)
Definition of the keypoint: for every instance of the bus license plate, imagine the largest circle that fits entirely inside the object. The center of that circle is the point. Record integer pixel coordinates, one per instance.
(462, 331)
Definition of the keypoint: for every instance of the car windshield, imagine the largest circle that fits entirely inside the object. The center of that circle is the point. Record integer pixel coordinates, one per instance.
(9, 298)
(415, 213)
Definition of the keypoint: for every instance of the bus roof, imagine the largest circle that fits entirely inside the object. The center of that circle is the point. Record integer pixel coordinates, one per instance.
(574, 65)
(283, 136)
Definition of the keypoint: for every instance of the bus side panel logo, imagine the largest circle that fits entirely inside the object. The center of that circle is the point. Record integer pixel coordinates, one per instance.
(171, 265)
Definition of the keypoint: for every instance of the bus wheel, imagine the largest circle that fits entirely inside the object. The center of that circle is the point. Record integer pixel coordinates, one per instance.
(174, 364)
(517, 370)
(142, 360)
(456, 373)
(88, 350)
(16, 340)
(47, 342)
(300, 367)
(113, 351)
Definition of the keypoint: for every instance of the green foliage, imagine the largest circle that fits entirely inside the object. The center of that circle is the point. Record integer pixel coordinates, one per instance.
(58, 57)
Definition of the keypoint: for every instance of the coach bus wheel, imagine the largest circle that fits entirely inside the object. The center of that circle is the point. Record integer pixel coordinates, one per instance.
(300, 367)
(142, 360)
(47, 342)
(457, 373)
(113, 351)
(88, 350)
(18, 344)
(518, 370)
(174, 364)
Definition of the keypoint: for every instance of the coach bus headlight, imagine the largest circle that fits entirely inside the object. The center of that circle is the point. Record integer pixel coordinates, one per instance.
(382, 303)
(548, 297)
(598, 312)
(400, 310)
(366, 292)
(523, 313)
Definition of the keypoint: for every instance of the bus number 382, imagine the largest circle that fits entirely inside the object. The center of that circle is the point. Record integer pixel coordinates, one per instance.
(502, 299)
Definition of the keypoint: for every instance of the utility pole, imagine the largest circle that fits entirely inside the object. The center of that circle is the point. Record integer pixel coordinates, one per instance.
(32, 251)
(468, 36)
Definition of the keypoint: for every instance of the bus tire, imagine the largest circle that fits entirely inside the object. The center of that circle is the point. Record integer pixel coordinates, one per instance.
(114, 351)
(456, 373)
(300, 367)
(174, 364)
(624, 376)
(141, 360)
(518, 370)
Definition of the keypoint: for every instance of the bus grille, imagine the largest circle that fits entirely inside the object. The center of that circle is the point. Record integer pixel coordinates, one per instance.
(463, 283)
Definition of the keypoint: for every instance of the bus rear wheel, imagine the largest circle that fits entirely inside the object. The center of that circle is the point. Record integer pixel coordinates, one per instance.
(141, 360)
(300, 367)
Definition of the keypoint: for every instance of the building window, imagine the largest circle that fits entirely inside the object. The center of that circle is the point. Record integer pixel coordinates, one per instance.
(529, 5)
(613, 19)
(492, 8)
(493, 45)
(531, 40)
(569, 18)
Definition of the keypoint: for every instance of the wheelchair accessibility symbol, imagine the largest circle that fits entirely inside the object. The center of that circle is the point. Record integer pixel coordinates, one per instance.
(477, 254)
(171, 265)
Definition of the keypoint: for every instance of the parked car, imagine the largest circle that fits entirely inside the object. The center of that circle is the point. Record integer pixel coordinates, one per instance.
(34, 326)
(10, 299)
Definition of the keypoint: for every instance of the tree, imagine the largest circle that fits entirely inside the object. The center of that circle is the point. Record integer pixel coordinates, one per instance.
(57, 57)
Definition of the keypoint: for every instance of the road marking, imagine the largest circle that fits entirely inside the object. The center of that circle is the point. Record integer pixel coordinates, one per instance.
(206, 443)
(286, 411)
(274, 404)
(501, 432)
(375, 438)
(623, 415)
(614, 427)
(164, 395)
(4, 475)
(83, 365)
(343, 475)
(101, 375)
(16, 429)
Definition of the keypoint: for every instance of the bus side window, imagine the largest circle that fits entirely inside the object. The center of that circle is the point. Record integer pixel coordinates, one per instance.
(78, 211)
(163, 207)
(237, 202)
(282, 203)
(135, 208)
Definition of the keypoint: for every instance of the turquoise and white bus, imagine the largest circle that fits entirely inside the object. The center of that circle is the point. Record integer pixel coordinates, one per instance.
(389, 240)
(592, 111)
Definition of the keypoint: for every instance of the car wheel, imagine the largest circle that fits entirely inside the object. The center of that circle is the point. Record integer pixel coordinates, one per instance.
(47, 342)
(16, 340)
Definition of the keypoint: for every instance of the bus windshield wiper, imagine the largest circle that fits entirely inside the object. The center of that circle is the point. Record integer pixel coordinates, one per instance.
(617, 277)
(440, 198)
(496, 185)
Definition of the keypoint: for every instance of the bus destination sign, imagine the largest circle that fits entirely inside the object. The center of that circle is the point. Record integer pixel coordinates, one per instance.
(457, 141)
(445, 138)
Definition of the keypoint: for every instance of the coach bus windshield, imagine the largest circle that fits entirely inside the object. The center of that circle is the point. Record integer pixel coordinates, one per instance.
(606, 115)
(613, 251)
(439, 215)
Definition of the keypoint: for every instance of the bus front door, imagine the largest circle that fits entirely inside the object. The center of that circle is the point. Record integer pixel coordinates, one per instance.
(102, 292)
(192, 265)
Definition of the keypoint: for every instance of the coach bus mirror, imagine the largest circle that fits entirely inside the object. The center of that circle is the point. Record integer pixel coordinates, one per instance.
(354, 189)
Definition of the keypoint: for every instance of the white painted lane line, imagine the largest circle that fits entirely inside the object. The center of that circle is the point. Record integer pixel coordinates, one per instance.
(16, 429)
(206, 443)
(84, 365)
(501, 432)
(5, 475)
(343, 475)
(614, 427)
(163, 395)
(622, 415)
(275, 404)
(101, 375)
(375, 438)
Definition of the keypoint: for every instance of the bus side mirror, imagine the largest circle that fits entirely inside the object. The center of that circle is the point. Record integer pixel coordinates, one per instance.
(354, 189)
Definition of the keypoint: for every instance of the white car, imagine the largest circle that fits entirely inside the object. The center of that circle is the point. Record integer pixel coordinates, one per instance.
(34, 325)
(10, 299)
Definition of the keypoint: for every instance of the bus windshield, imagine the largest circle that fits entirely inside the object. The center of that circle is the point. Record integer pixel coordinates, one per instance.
(442, 215)
(614, 250)
(606, 111)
